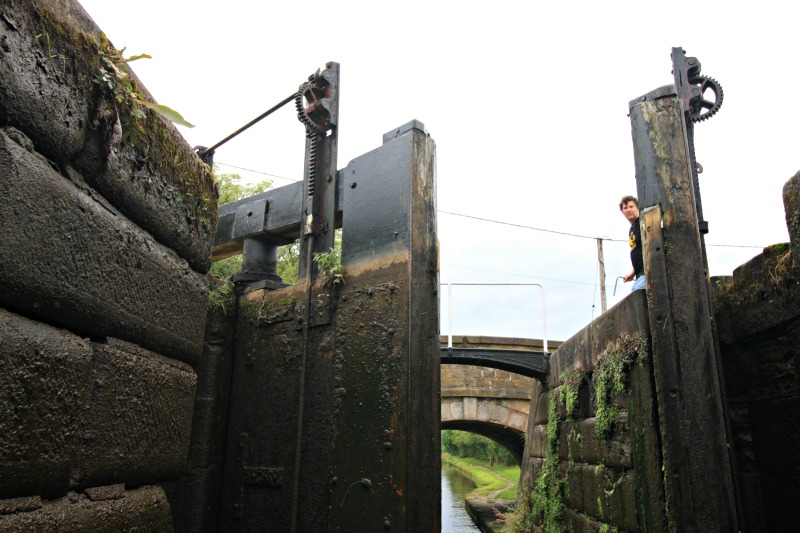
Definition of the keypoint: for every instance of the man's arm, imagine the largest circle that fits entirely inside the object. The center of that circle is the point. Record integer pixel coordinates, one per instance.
(629, 277)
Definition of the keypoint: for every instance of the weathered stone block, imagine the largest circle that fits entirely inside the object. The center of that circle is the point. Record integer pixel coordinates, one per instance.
(71, 259)
(539, 407)
(582, 349)
(604, 493)
(518, 419)
(581, 440)
(43, 390)
(575, 521)
(138, 420)
(469, 380)
(791, 207)
(22, 504)
(471, 408)
(536, 444)
(50, 56)
(46, 72)
(142, 509)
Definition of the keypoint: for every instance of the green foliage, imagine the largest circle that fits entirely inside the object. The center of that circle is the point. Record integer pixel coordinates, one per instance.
(548, 496)
(610, 378)
(128, 102)
(225, 268)
(289, 262)
(330, 265)
(521, 519)
(488, 478)
(222, 296)
(570, 380)
(466, 444)
(230, 190)
(542, 508)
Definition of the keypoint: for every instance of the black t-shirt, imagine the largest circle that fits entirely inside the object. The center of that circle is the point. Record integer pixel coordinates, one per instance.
(635, 240)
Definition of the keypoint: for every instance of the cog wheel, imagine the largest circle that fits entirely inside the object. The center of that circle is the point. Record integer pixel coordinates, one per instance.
(701, 106)
(314, 116)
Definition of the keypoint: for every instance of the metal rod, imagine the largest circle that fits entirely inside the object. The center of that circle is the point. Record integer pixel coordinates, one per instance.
(449, 315)
(298, 455)
(450, 307)
(264, 115)
(617, 281)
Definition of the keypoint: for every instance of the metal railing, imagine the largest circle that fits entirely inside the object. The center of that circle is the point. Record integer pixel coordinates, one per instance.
(450, 307)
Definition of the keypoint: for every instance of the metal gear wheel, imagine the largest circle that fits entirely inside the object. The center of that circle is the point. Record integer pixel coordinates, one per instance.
(702, 107)
(314, 117)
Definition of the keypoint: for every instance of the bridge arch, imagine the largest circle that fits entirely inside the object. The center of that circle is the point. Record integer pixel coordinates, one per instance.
(503, 420)
(482, 394)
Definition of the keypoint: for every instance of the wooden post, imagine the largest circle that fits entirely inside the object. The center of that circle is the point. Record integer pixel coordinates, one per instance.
(602, 265)
(697, 472)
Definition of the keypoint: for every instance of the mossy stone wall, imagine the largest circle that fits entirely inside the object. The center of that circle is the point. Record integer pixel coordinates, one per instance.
(758, 315)
(105, 239)
(591, 459)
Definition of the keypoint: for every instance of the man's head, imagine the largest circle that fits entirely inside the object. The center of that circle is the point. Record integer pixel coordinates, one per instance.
(629, 206)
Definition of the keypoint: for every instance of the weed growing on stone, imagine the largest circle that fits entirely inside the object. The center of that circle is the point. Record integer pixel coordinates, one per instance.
(610, 378)
(112, 77)
(570, 380)
(330, 267)
(222, 296)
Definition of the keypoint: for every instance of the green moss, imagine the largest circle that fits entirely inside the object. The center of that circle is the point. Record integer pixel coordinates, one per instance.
(778, 249)
(185, 181)
(74, 51)
(776, 278)
(222, 296)
(570, 380)
(249, 310)
(278, 310)
(548, 496)
(610, 378)
(543, 505)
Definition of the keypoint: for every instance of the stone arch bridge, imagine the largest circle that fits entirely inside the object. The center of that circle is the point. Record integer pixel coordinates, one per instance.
(493, 402)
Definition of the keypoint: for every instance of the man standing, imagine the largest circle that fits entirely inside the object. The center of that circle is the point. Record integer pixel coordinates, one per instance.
(629, 206)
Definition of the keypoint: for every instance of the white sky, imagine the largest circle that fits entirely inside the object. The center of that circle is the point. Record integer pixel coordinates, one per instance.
(527, 103)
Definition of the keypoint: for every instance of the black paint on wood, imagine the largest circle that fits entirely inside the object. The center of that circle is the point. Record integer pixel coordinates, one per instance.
(697, 474)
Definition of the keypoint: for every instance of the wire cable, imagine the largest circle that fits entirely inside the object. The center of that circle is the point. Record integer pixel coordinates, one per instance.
(497, 221)
(572, 234)
(256, 171)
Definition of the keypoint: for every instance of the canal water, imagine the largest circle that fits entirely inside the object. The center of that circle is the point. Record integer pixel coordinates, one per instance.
(455, 486)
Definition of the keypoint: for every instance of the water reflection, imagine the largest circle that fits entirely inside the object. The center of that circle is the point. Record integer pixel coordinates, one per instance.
(455, 486)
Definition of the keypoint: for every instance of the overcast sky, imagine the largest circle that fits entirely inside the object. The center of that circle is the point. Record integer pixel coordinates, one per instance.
(527, 103)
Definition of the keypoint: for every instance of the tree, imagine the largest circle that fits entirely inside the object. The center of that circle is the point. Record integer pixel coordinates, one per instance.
(230, 190)
(466, 444)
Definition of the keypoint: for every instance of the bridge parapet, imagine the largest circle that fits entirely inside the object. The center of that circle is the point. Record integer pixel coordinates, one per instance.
(489, 401)
(499, 343)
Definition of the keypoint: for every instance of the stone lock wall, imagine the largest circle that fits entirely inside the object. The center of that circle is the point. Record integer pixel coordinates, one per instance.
(591, 457)
(758, 314)
(105, 244)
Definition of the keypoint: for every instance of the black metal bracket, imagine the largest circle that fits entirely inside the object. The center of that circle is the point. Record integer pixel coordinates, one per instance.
(691, 87)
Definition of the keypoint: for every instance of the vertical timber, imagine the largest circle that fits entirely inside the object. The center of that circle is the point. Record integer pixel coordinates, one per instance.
(697, 473)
